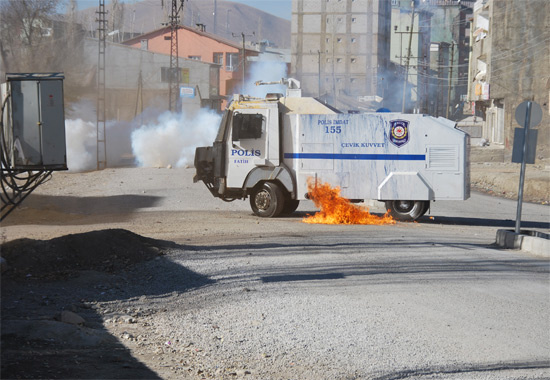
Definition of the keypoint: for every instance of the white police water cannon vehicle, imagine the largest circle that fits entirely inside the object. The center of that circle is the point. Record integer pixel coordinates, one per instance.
(267, 149)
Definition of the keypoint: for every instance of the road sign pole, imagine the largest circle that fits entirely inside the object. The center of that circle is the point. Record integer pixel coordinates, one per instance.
(523, 162)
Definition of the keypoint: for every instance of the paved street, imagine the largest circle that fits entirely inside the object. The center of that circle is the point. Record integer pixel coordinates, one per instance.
(281, 299)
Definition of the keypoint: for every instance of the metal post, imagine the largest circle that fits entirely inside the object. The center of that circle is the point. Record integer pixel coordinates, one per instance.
(244, 61)
(523, 162)
(174, 75)
(408, 60)
(101, 139)
(215, 17)
(319, 64)
(244, 56)
(450, 78)
(227, 21)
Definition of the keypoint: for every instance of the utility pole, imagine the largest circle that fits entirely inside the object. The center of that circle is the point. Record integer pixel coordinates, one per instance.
(174, 75)
(319, 69)
(408, 59)
(101, 140)
(227, 20)
(244, 55)
(450, 79)
(215, 16)
(115, 11)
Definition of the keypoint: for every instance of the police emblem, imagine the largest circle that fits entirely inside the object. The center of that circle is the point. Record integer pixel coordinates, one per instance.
(399, 132)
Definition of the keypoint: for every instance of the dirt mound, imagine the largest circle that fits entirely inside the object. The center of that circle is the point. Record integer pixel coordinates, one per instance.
(109, 250)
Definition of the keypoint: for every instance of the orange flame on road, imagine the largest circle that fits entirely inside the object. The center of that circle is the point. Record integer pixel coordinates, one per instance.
(338, 210)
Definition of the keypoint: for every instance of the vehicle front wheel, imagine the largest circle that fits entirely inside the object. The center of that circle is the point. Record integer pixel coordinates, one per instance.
(267, 200)
(407, 210)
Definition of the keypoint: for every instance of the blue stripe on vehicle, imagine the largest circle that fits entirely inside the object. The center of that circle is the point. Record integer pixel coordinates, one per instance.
(351, 156)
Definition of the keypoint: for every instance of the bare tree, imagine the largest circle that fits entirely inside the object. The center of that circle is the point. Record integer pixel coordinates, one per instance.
(117, 20)
(35, 38)
(24, 25)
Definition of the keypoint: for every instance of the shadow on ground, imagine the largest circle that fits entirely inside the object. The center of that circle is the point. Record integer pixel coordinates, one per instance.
(60, 209)
(399, 265)
(455, 220)
(81, 274)
(482, 222)
(471, 370)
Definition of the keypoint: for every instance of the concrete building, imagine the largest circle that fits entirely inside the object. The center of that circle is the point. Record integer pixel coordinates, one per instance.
(136, 79)
(439, 40)
(196, 44)
(410, 50)
(340, 51)
(448, 81)
(510, 63)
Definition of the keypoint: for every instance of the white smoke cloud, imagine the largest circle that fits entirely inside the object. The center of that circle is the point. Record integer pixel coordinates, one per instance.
(266, 71)
(80, 138)
(154, 138)
(173, 138)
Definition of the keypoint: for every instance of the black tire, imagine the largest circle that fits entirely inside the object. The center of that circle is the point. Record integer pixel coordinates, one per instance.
(290, 205)
(267, 200)
(407, 210)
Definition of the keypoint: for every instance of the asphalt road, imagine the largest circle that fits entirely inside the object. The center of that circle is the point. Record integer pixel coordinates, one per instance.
(366, 304)
(433, 299)
(281, 299)
(429, 300)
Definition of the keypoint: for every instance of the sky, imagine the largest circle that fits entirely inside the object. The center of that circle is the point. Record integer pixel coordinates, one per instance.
(279, 8)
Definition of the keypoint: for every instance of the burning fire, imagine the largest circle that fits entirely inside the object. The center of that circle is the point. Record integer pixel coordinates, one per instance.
(338, 210)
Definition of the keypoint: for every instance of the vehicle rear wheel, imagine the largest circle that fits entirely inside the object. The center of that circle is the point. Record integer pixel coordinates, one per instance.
(407, 210)
(267, 200)
(290, 205)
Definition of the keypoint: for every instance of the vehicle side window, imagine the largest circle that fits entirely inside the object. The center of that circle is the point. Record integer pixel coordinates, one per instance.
(247, 126)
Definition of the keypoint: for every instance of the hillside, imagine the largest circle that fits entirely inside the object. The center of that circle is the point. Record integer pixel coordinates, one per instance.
(232, 18)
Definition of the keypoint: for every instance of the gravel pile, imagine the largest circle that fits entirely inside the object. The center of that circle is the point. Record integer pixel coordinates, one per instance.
(105, 251)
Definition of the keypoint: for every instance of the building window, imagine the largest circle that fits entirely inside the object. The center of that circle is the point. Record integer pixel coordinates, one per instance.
(328, 40)
(328, 60)
(194, 57)
(353, 60)
(218, 58)
(351, 80)
(144, 45)
(338, 60)
(353, 19)
(231, 61)
(353, 40)
(338, 40)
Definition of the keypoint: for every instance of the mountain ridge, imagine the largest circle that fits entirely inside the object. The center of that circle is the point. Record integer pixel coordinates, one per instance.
(232, 20)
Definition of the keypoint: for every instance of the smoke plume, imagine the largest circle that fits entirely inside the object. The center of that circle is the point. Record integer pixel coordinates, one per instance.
(154, 138)
(80, 138)
(172, 139)
(266, 71)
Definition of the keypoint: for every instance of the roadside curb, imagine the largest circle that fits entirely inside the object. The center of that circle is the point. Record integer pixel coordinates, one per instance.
(534, 242)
